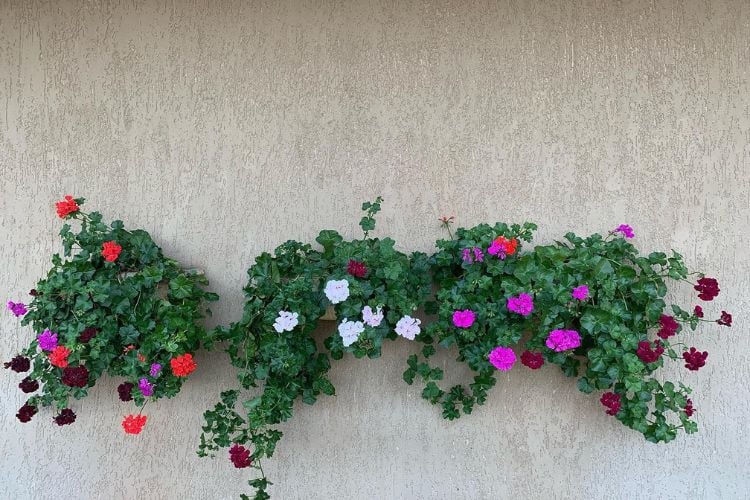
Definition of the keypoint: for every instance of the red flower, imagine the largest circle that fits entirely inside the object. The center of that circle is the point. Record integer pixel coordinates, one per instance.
(141, 358)
(75, 376)
(668, 326)
(648, 355)
(26, 412)
(694, 359)
(19, 364)
(356, 268)
(111, 250)
(28, 385)
(611, 401)
(708, 288)
(533, 360)
(698, 311)
(125, 391)
(725, 320)
(87, 334)
(66, 207)
(66, 417)
(59, 356)
(689, 410)
(240, 456)
(133, 424)
(182, 366)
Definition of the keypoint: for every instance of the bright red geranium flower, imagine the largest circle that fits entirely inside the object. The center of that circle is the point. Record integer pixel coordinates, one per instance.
(612, 401)
(110, 251)
(66, 207)
(182, 366)
(533, 360)
(356, 268)
(133, 424)
(59, 356)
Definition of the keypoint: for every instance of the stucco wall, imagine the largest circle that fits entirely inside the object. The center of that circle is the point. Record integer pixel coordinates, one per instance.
(224, 128)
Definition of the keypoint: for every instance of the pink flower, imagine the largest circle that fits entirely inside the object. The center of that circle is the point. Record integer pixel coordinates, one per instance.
(502, 358)
(464, 319)
(625, 230)
(523, 304)
(563, 340)
(473, 254)
(581, 292)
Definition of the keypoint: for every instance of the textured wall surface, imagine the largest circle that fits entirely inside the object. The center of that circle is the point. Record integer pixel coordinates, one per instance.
(224, 128)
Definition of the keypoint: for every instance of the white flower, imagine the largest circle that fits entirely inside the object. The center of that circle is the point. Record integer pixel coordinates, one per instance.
(337, 290)
(286, 321)
(408, 327)
(350, 330)
(372, 318)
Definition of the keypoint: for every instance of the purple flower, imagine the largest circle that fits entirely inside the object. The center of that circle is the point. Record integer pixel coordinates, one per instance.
(563, 340)
(147, 388)
(464, 319)
(47, 340)
(18, 309)
(523, 304)
(581, 292)
(473, 254)
(625, 230)
(155, 369)
(502, 358)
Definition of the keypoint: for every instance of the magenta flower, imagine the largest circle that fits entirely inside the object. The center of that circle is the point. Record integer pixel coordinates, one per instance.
(523, 304)
(473, 254)
(625, 230)
(17, 308)
(47, 340)
(563, 340)
(146, 387)
(464, 319)
(581, 292)
(155, 369)
(502, 358)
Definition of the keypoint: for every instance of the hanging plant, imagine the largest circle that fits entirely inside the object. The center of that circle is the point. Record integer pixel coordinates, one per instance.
(112, 304)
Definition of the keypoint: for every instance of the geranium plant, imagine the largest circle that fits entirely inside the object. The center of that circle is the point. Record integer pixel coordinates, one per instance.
(113, 303)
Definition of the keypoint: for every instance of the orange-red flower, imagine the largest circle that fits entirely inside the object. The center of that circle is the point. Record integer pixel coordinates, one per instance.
(502, 247)
(141, 358)
(66, 207)
(111, 250)
(59, 356)
(133, 424)
(182, 366)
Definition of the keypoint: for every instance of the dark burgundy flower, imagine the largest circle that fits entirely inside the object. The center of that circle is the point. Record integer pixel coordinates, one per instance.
(65, 417)
(725, 320)
(34, 293)
(689, 410)
(75, 376)
(708, 288)
(87, 334)
(28, 385)
(611, 400)
(356, 268)
(125, 391)
(668, 328)
(698, 311)
(240, 456)
(533, 360)
(26, 412)
(19, 364)
(647, 354)
(694, 359)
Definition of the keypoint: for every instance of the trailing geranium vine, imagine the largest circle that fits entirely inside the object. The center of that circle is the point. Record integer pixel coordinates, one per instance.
(590, 305)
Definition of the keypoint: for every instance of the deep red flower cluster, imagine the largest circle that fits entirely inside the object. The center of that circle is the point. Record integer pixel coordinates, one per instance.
(611, 400)
(694, 359)
(28, 385)
(125, 391)
(533, 360)
(26, 412)
(669, 326)
(133, 424)
(19, 364)
(66, 207)
(356, 268)
(75, 376)
(708, 288)
(725, 320)
(647, 354)
(240, 456)
(689, 410)
(66, 417)
(182, 366)
(698, 311)
(87, 334)
(110, 251)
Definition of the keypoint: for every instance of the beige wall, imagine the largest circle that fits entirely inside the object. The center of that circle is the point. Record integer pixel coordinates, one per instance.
(224, 128)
